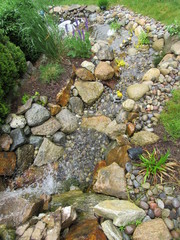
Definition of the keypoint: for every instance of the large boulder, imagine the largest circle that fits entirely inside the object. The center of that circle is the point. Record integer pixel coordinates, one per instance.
(151, 75)
(111, 181)
(155, 229)
(143, 138)
(67, 120)
(36, 115)
(89, 91)
(104, 71)
(47, 128)
(137, 91)
(7, 163)
(48, 152)
(121, 212)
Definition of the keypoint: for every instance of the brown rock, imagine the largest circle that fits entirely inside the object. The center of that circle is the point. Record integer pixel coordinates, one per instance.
(5, 142)
(111, 181)
(104, 71)
(7, 163)
(98, 166)
(47, 199)
(122, 140)
(62, 98)
(84, 74)
(49, 127)
(157, 212)
(22, 109)
(130, 129)
(54, 109)
(152, 230)
(132, 116)
(153, 205)
(98, 123)
(118, 155)
(175, 234)
(86, 230)
(116, 68)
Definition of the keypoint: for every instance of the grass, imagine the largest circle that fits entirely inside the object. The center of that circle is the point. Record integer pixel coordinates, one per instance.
(170, 117)
(50, 72)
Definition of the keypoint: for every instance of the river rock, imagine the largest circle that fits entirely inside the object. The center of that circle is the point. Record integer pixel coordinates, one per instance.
(111, 232)
(25, 157)
(17, 210)
(68, 121)
(7, 163)
(158, 45)
(22, 109)
(5, 142)
(18, 121)
(89, 91)
(49, 127)
(59, 138)
(36, 115)
(111, 181)
(176, 48)
(18, 137)
(48, 152)
(151, 75)
(128, 105)
(114, 129)
(76, 105)
(88, 65)
(143, 138)
(120, 211)
(35, 141)
(137, 91)
(84, 74)
(104, 71)
(152, 230)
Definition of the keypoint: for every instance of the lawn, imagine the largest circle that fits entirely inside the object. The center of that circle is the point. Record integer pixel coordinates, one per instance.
(165, 11)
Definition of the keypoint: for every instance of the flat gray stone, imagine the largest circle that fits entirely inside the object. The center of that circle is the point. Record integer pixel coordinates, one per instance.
(36, 115)
(22, 109)
(48, 153)
(35, 140)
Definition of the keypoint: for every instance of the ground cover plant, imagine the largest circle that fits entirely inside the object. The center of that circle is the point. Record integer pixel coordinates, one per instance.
(170, 117)
(50, 72)
(115, 26)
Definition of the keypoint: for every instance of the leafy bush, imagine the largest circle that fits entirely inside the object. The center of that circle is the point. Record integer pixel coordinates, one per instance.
(50, 72)
(12, 66)
(171, 114)
(155, 166)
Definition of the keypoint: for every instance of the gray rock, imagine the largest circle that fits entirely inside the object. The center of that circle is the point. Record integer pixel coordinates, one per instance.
(128, 166)
(48, 153)
(49, 127)
(175, 203)
(25, 157)
(67, 120)
(105, 53)
(93, 17)
(144, 205)
(59, 138)
(120, 211)
(6, 128)
(76, 105)
(122, 116)
(111, 232)
(22, 109)
(36, 115)
(111, 181)
(35, 140)
(18, 121)
(168, 190)
(169, 223)
(89, 91)
(128, 105)
(18, 137)
(27, 130)
(160, 203)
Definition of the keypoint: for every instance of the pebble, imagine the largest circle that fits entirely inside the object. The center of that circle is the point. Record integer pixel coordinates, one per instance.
(175, 234)
(173, 214)
(130, 229)
(165, 213)
(162, 196)
(153, 205)
(136, 184)
(169, 223)
(175, 203)
(144, 205)
(160, 203)
(151, 214)
(146, 219)
(128, 166)
(146, 185)
(125, 236)
(168, 190)
(157, 212)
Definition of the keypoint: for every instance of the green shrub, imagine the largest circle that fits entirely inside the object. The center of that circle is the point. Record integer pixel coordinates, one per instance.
(50, 72)
(78, 45)
(171, 114)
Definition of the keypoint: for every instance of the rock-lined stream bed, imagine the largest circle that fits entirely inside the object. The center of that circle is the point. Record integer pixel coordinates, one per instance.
(82, 141)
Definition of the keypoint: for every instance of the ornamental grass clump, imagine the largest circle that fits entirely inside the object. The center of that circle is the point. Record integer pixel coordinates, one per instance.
(78, 44)
(154, 166)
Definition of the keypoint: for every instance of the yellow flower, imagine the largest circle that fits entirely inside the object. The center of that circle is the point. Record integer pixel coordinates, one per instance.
(119, 94)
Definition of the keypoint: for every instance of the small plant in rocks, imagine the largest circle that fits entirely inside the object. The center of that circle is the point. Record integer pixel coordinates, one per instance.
(115, 25)
(174, 29)
(155, 166)
(143, 39)
(50, 72)
(78, 44)
(25, 98)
